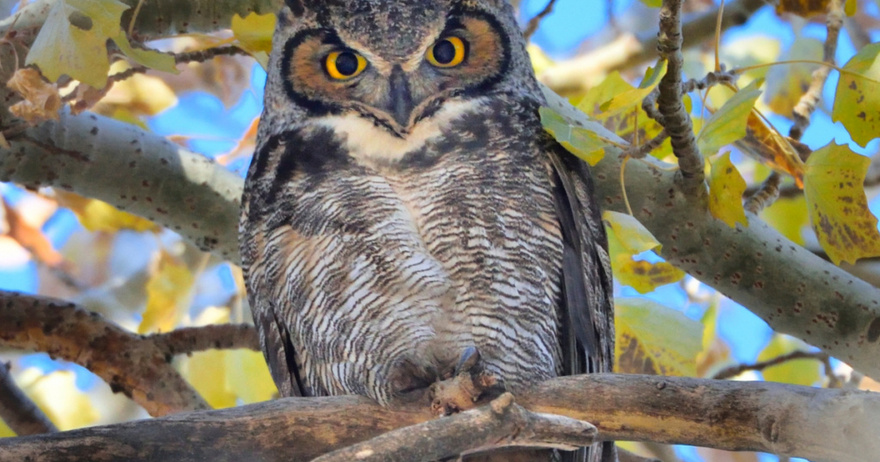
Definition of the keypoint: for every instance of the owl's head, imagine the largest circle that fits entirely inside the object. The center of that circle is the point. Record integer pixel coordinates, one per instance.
(394, 62)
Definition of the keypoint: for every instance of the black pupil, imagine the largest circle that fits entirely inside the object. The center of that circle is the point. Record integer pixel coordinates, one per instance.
(346, 63)
(444, 52)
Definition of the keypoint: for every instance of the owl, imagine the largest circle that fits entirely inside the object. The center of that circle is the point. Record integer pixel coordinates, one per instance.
(404, 207)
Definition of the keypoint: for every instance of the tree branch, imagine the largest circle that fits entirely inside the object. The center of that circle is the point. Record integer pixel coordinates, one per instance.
(676, 119)
(734, 371)
(502, 423)
(577, 74)
(18, 411)
(817, 424)
(137, 368)
(808, 101)
(134, 170)
(188, 340)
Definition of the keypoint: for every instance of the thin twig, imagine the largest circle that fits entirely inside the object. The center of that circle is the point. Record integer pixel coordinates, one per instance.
(766, 194)
(809, 100)
(18, 411)
(676, 119)
(215, 337)
(733, 371)
(533, 24)
(638, 152)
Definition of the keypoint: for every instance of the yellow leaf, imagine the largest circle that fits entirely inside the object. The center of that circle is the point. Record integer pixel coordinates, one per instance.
(96, 215)
(633, 98)
(835, 194)
(579, 141)
(41, 100)
(788, 216)
(57, 395)
(73, 41)
(654, 339)
(248, 376)
(767, 146)
(715, 353)
(786, 84)
(645, 276)
(168, 295)
(641, 275)
(254, 34)
(206, 371)
(726, 188)
(804, 372)
(631, 233)
(728, 124)
(857, 102)
(141, 94)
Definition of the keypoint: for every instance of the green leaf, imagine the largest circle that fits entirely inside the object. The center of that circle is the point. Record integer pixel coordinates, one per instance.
(654, 339)
(581, 142)
(835, 194)
(73, 41)
(804, 372)
(633, 98)
(728, 124)
(726, 188)
(857, 102)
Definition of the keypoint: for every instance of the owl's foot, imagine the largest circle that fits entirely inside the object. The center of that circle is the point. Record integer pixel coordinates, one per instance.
(464, 389)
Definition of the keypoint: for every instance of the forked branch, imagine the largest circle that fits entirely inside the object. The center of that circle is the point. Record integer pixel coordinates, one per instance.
(501, 423)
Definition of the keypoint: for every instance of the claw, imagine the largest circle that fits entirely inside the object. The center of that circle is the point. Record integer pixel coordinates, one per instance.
(469, 358)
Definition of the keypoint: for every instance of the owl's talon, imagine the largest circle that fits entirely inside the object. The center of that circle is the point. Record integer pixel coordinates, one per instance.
(461, 392)
(470, 357)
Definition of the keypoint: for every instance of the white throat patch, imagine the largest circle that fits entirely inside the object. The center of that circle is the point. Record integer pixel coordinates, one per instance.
(369, 144)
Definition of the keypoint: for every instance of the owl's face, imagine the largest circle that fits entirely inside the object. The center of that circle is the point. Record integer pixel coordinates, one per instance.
(395, 63)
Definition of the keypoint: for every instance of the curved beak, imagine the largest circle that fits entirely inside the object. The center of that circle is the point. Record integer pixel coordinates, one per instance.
(400, 103)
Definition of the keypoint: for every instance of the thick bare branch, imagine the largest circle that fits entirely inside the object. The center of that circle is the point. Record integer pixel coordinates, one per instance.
(18, 411)
(502, 423)
(577, 74)
(676, 119)
(135, 171)
(817, 424)
(128, 364)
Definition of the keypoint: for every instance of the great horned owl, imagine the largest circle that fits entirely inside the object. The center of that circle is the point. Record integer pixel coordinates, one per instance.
(404, 206)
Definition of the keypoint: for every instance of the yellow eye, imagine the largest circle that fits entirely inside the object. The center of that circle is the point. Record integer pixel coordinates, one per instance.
(447, 52)
(343, 65)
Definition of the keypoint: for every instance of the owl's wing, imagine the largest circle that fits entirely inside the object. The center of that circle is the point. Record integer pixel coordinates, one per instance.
(587, 286)
(587, 336)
